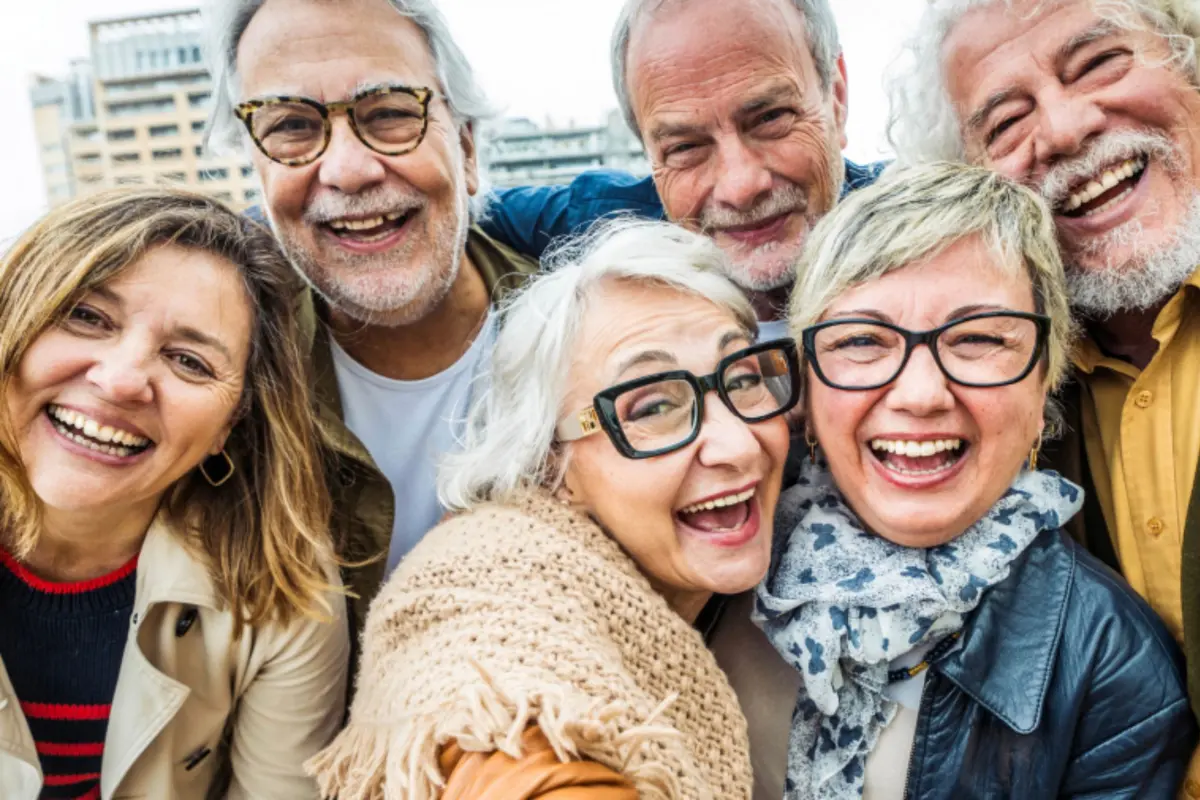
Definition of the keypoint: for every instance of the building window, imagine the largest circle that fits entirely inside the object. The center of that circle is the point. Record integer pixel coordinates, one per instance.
(224, 197)
(213, 174)
(172, 177)
(196, 54)
(164, 130)
(129, 180)
(153, 59)
(169, 154)
(199, 151)
(183, 55)
(252, 195)
(90, 179)
(198, 126)
(126, 158)
(247, 171)
(199, 99)
(123, 135)
(88, 158)
(141, 107)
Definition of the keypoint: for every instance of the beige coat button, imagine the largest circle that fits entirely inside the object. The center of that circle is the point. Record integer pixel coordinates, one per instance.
(1155, 527)
(1144, 399)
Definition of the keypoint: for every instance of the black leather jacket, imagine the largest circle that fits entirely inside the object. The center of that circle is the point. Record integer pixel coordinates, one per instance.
(1065, 684)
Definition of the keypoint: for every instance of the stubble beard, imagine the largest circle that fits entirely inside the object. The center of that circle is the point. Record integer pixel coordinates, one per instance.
(372, 289)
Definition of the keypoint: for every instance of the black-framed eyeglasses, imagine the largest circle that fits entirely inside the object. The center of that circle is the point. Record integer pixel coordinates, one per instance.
(995, 348)
(660, 413)
(294, 131)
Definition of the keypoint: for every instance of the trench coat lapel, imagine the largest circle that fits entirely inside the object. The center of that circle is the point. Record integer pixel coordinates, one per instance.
(20, 773)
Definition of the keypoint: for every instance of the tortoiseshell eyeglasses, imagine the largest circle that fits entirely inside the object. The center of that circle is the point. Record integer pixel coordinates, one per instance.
(294, 131)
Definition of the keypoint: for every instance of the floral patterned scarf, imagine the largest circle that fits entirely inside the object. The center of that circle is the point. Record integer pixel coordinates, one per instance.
(839, 603)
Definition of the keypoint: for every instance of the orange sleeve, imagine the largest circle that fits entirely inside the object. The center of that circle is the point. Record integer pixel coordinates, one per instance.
(537, 775)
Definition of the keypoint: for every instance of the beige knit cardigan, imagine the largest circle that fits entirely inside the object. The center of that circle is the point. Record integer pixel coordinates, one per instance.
(526, 613)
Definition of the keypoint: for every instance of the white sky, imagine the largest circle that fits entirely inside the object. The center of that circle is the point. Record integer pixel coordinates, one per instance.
(537, 58)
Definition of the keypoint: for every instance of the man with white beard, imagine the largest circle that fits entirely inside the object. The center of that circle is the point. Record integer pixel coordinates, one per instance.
(360, 117)
(1096, 105)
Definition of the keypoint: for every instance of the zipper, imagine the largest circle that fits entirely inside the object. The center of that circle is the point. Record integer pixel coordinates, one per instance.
(922, 717)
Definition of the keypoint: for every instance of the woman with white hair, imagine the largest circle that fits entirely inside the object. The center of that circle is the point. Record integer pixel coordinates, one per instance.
(953, 642)
(623, 467)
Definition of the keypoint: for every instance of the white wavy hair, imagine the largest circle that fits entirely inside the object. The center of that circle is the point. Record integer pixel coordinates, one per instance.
(821, 27)
(509, 443)
(923, 125)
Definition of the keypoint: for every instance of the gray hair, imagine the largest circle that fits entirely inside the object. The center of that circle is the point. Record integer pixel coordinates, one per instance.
(509, 443)
(819, 24)
(915, 212)
(923, 123)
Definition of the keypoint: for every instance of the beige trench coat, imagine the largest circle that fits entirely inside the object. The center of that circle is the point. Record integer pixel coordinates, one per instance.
(197, 714)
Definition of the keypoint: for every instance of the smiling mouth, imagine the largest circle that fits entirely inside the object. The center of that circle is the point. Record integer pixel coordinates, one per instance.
(371, 229)
(919, 459)
(1104, 190)
(84, 430)
(719, 515)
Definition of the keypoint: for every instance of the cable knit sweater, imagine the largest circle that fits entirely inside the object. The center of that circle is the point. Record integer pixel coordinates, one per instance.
(513, 615)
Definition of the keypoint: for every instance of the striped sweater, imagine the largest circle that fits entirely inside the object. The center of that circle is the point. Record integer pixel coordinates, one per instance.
(62, 645)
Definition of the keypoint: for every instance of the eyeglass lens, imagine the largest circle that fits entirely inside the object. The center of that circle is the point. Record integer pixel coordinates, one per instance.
(984, 350)
(388, 122)
(665, 413)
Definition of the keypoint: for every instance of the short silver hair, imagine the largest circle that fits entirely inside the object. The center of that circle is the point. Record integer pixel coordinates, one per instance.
(923, 123)
(227, 21)
(915, 212)
(820, 26)
(509, 443)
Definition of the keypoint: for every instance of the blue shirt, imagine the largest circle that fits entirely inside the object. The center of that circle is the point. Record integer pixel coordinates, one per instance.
(527, 218)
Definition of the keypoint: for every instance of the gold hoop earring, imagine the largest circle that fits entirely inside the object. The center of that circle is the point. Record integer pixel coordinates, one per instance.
(1033, 454)
(812, 443)
(230, 468)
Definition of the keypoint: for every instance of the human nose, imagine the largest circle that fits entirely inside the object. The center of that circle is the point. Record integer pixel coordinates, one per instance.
(122, 375)
(742, 178)
(726, 439)
(1066, 125)
(921, 388)
(347, 164)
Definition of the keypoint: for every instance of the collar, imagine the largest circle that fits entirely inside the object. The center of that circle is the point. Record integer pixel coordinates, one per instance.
(1088, 356)
(1007, 654)
(169, 573)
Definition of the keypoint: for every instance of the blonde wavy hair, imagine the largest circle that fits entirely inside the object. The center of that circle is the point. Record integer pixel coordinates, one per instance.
(923, 124)
(264, 534)
(915, 212)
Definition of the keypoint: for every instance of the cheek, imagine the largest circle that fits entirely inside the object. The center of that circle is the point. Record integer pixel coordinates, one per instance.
(633, 500)
(804, 158)
(285, 189)
(683, 192)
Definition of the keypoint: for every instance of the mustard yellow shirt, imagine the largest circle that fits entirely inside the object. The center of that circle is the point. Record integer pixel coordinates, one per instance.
(1142, 434)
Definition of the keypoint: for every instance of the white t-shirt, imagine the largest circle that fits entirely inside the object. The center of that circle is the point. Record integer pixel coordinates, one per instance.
(407, 426)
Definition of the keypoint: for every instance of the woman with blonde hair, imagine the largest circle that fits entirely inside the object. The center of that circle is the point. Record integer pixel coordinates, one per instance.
(171, 622)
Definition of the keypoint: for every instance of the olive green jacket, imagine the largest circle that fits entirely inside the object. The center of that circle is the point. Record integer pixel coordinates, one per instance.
(363, 506)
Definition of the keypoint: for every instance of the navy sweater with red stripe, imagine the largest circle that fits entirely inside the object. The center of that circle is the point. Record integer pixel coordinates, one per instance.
(62, 645)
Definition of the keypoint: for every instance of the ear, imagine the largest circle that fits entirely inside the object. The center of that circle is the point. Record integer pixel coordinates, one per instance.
(470, 158)
(841, 99)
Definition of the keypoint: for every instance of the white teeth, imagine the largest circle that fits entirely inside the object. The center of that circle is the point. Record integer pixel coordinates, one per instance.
(720, 502)
(1107, 180)
(913, 449)
(88, 431)
(364, 224)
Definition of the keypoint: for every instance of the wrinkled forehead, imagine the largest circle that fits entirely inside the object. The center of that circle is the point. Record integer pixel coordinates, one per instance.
(329, 51)
(702, 48)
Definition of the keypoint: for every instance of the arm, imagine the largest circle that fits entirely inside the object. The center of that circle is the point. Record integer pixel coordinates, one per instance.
(293, 706)
(537, 775)
(528, 218)
(1145, 759)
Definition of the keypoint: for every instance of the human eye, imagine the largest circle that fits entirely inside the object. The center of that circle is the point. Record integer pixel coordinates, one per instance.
(652, 406)
(1104, 67)
(291, 125)
(681, 155)
(190, 364)
(777, 120)
(87, 319)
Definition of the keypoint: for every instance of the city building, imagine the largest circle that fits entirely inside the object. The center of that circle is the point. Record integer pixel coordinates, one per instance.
(521, 153)
(134, 114)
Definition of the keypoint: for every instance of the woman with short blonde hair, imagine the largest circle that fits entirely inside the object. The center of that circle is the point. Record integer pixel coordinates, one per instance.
(173, 623)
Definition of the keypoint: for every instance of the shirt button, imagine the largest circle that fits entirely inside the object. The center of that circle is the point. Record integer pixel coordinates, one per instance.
(1144, 399)
(1155, 526)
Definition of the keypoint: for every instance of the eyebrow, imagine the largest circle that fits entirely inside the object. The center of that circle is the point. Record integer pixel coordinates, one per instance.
(662, 356)
(1096, 32)
(869, 313)
(185, 332)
